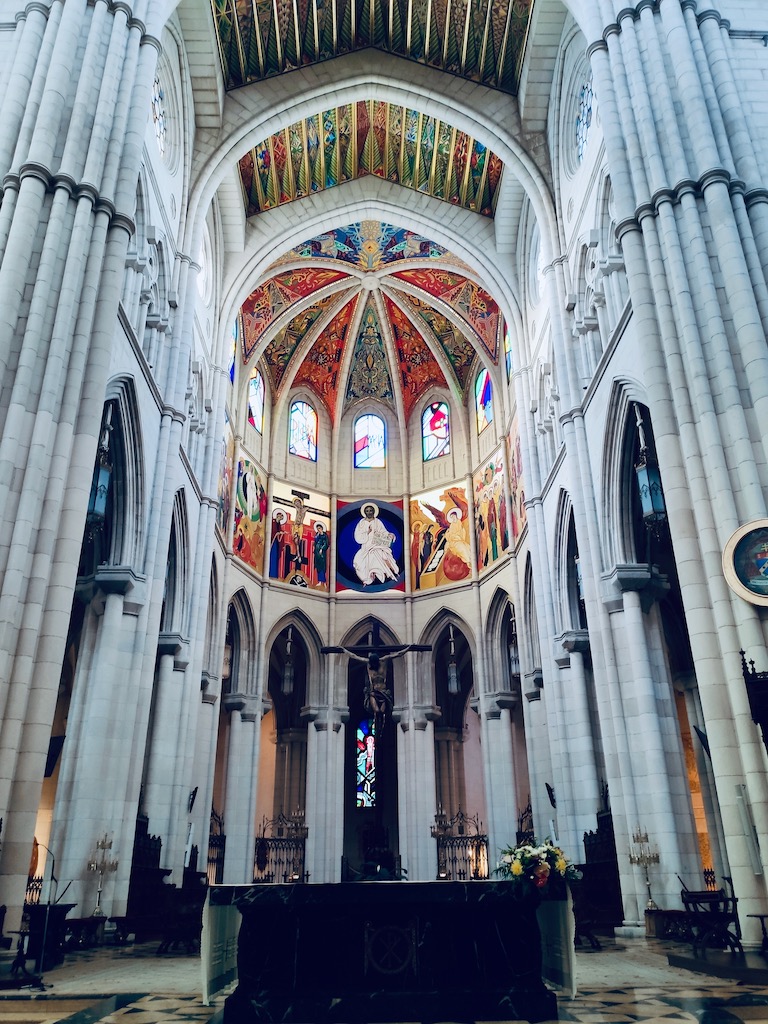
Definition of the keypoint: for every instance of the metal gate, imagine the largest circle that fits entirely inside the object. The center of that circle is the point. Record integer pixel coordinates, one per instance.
(280, 848)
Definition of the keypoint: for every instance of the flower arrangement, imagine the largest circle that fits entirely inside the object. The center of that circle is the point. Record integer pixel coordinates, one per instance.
(535, 864)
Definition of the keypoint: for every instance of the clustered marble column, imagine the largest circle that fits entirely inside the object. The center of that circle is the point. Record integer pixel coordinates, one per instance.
(686, 198)
(74, 112)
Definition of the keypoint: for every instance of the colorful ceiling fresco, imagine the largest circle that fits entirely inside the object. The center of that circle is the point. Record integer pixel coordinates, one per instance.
(367, 245)
(472, 302)
(419, 369)
(277, 295)
(369, 375)
(370, 137)
(457, 347)
(393, 326)
(320, 369)
(480, 40)
(280, 349)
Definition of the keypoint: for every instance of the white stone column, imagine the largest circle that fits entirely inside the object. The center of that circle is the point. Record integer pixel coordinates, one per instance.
(238, 862)
(416, 794)
(501, 798)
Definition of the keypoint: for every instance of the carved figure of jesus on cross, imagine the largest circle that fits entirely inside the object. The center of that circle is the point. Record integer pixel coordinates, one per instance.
(377, 696)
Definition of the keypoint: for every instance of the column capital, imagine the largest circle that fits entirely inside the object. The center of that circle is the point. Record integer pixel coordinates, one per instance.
(640, 578)
(233, 701)
(533, 684)
(175, 645)
(501, 700)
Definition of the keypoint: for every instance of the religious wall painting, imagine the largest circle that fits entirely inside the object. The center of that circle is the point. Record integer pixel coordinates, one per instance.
(369, 370)
(280, 349)
(300, 538)
(418, 367)
(250, 515)
(516, 481)
(490, 501)
(459, 350)
(440, 552)
(369, 137)
(275, 296)
(368, 245)
(225, 476)
(369, 546)
(476, 307)
(320, 369)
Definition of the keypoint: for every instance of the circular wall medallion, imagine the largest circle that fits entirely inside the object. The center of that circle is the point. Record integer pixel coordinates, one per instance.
(745, 562)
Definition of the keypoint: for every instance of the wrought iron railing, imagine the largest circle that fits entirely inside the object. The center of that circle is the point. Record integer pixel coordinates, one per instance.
(217, 844)
(34, 889)
(462, 848)
(280, 850)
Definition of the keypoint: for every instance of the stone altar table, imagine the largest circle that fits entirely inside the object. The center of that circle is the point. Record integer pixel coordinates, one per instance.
(387, 951)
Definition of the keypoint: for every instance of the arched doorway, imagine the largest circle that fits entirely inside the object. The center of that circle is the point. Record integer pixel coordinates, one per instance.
(371, 841)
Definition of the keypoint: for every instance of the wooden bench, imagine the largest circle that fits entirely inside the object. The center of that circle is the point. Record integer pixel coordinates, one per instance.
(714, 922)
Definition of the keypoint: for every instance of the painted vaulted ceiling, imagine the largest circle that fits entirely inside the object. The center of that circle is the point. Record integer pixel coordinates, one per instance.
(481, 40)
(370, 137)
(410, 321)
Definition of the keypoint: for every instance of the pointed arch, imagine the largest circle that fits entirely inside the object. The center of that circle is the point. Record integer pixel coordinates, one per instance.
(533, 677)
(502, 648)
(313, 642)
(175, 603)
(127, 454)
(238, 674)
(617, 540)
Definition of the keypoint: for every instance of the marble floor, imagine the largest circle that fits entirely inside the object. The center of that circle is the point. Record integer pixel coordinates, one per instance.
(623, 982)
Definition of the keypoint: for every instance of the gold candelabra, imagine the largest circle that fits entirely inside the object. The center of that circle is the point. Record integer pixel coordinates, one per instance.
(643, 855)
(101, 862)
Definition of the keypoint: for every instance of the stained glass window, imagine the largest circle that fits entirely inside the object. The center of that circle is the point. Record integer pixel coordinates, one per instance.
(366, 764)
(302, 439)
(435, 431)
(235, 339)
(256, 400)
(370, 442)
(158, 113)
(483, 403)
(507, 352)
(584, 118)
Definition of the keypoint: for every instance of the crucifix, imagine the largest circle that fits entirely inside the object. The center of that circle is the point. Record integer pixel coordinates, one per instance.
(377, 695)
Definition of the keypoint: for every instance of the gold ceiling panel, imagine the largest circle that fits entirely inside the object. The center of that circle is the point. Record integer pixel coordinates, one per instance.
(481, 40)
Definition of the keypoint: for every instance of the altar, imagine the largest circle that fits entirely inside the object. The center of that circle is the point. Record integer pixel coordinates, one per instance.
(387, 951)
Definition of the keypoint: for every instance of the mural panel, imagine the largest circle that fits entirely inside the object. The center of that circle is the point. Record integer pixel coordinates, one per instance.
(490, 512)
(369, 547)
(225, 475)
(440, 552)
(250, 515)
(516, 481)
(299, 550)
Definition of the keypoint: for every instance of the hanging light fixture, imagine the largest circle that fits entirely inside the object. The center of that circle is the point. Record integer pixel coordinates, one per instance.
(649, 482)
(102, 473)
(287, 680)
(453, 668)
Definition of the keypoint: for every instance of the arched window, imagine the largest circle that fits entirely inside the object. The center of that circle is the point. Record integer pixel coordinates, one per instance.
(256, 400)
(302, 436)
(370, 442)
(507, 352)
(584, 118)
(235, 339)
(435, 431)
(483, 400)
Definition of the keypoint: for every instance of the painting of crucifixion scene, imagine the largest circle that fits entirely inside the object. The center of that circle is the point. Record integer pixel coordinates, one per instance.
(300, 541)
